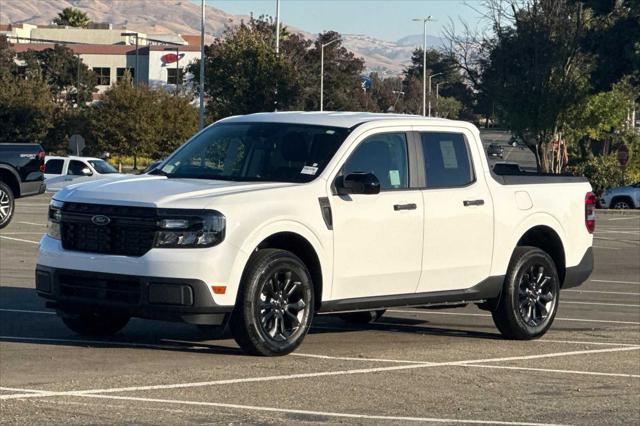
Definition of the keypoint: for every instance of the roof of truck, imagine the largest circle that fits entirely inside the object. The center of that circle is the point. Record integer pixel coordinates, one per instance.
(325, 118)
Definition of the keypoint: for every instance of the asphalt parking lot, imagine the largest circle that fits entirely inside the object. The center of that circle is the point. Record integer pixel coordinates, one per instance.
(414, 365)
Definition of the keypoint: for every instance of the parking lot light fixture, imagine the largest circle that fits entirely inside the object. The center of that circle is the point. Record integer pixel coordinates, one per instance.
(424, 60)
(322, 46)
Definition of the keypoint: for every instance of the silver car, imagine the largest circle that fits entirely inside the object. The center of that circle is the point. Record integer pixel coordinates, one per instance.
(624, 197)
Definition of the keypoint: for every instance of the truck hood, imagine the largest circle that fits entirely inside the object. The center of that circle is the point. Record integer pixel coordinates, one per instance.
(158, 191)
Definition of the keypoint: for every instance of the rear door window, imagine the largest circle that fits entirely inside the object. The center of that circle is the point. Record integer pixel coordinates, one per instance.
(446, 160)
(54, 167)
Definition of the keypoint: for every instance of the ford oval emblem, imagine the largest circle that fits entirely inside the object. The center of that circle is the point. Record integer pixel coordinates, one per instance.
(100, 220)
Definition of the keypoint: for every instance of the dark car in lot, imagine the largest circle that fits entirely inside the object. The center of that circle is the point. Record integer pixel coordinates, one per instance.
(495, 150)
(21, 175)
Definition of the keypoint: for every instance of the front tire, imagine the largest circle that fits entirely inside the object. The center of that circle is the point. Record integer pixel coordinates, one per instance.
(275, 304)
(94, 324)
(7, 204)
(529, 299)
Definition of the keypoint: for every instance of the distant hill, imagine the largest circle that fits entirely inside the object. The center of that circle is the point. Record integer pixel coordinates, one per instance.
(183, 17)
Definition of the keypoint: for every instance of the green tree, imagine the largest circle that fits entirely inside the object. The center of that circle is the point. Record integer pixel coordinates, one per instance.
(536, 72)
(7, 55)
(70, 80)
(72, 17)
(342, 76)
(25, 109)
(138, 121)
(243, 71)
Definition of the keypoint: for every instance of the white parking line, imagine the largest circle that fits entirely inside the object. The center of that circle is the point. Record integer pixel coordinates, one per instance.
(25, 311)
(571, 302)
(601, 292)
(607, 248)
(23, 233)
(313, 413)
(549, 370)
(488, 315)
(19, 239)
(615, 282)
(34, 224)
(621, 218)
(314, 375)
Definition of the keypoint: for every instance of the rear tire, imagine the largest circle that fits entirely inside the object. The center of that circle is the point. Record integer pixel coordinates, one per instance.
(364, 317)
(7, 204)
(530, 296)
(275, 304)
(621, 203)
(94, 324)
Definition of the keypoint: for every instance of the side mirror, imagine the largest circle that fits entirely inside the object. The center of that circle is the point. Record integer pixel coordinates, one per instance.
(86, 172)
(358, 183)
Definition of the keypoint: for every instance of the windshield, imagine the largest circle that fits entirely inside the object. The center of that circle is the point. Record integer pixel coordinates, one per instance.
(102, 167)
(279, 152)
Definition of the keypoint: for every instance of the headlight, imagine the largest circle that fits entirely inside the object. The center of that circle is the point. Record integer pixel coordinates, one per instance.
(54, 216)
(191, 230)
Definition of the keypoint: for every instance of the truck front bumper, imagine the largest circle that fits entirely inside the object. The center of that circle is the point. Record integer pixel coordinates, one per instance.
(169, 299)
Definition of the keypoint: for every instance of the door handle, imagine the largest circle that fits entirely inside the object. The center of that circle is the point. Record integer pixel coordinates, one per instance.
(468, 203)
(398, 207)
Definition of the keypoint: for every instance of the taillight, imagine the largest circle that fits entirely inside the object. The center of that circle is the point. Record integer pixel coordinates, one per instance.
(590, 212)
(41, 156)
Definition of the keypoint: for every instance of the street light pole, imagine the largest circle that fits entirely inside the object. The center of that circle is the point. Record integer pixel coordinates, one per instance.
(201, 112)
(438, 98)
(277, 26)
(322, 46)
(424, 61)
(430, 77)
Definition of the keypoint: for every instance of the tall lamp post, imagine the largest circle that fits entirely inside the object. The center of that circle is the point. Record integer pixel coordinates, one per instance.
(322, 46)
(424, 61)
(201, 112)
(137, 71)
(438, 98)
(430, 77)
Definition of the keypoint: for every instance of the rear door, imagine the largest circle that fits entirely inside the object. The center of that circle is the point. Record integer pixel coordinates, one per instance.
(378, 238)
(53, 167)
(458, 218)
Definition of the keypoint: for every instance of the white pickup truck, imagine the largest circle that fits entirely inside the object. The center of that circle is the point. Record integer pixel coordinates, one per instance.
(263, 221)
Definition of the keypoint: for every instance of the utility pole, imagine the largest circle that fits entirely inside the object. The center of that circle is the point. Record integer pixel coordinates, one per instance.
(275, 92)
(322, 46)
(424, 61)
(430, 77)
(201, 119)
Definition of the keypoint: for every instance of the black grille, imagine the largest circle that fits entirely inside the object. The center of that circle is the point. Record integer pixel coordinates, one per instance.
(113, 289)
(130, 231)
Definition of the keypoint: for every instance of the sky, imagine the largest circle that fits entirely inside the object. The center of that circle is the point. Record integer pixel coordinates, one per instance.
(384, 19)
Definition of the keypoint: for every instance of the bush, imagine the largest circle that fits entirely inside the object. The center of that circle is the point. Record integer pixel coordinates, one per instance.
(602, 171)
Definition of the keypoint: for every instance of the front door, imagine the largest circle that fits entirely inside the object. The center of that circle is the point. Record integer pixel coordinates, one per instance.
(378, 238)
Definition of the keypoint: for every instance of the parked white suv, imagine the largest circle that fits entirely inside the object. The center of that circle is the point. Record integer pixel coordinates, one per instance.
(262, 221)
(624, 197)
(62, 171)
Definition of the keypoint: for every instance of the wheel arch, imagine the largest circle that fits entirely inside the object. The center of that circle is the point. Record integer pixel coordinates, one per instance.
(11, 179)
(296, 239)
(623, 197)
(546, 239)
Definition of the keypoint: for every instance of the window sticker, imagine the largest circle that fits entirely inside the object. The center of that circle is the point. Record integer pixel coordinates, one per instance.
(448, 151)
(309, 170)
(394, 177)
